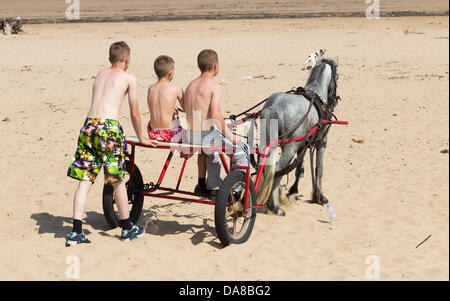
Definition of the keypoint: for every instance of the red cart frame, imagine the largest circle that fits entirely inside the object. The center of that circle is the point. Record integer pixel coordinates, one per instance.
(169, 193)
(229, 202)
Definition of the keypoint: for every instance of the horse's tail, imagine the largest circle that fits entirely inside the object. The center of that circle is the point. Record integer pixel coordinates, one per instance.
(265, 185)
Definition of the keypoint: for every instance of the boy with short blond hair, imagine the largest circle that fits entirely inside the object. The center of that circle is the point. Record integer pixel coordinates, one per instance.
(161, 99)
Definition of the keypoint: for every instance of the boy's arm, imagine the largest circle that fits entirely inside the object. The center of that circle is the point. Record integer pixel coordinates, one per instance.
(134, 113)
(180, 97)
(216, 114)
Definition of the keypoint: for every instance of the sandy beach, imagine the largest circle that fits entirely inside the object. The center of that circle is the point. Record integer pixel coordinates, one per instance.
(390, 190)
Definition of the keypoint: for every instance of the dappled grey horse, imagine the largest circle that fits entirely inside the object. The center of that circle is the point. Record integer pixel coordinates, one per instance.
(286, 110)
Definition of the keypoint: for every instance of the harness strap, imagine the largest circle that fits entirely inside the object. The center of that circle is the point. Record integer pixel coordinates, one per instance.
(297, 161)
(311, 96)
(248, 110)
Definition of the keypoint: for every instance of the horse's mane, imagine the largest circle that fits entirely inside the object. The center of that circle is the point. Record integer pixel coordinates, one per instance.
(316, 74)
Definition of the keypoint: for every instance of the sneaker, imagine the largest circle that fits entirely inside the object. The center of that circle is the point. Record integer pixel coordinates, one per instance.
(204, 192)
(74, 238)
(201, 191)
(135, 232)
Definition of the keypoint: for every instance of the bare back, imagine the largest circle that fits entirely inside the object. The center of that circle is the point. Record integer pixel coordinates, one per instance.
(110, 87)
(197, 101)
(161, 99)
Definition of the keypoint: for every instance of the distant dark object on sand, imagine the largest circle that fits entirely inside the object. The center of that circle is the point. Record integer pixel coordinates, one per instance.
(10, 26)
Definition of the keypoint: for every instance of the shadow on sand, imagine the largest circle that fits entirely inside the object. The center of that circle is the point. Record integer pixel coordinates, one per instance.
(61, 226)
(200, 232)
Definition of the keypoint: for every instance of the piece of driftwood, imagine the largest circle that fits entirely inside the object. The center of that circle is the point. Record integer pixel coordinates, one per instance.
(423, 241)
(11, 26)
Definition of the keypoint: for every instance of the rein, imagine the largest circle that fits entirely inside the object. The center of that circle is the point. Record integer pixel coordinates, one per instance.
(256, 115)
(311, 96)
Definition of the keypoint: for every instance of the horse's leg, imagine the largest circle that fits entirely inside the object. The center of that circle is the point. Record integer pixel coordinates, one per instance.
(318, 197)
(287, 154)
(299, 172)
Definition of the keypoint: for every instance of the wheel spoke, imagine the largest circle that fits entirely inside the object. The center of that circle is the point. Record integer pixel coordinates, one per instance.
(246, 218)
(234, 226)
(233, 200)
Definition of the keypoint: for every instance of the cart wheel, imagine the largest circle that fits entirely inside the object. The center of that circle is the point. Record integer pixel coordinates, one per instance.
(233, 224)
(135, 198)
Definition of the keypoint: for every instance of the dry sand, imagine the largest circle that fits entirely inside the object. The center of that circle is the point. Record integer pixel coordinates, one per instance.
(389, 192)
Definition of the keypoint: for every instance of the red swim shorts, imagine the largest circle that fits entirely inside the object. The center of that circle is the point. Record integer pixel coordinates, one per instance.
(165, 135)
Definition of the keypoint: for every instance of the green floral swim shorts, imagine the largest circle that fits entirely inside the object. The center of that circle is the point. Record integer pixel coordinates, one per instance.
(100, 143)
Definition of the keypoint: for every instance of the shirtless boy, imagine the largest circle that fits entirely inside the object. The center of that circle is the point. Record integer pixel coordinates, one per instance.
(206, 123)
(101, 142)
(161, 99)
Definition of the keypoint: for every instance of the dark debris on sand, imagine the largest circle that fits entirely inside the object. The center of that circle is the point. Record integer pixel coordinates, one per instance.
(11, 26)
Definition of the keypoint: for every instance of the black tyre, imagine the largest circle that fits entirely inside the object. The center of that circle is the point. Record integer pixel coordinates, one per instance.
(135, 198)
(233, 224)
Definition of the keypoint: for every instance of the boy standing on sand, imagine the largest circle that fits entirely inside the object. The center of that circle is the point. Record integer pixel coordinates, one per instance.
(161, 99)
(207, 125)
(101, 142)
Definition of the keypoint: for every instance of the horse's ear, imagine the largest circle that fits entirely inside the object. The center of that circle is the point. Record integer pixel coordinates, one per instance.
(336, 61)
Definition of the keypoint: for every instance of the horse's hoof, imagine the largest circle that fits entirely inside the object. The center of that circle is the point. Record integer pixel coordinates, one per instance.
(280, 212)
(323, 200)
(316, 200)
